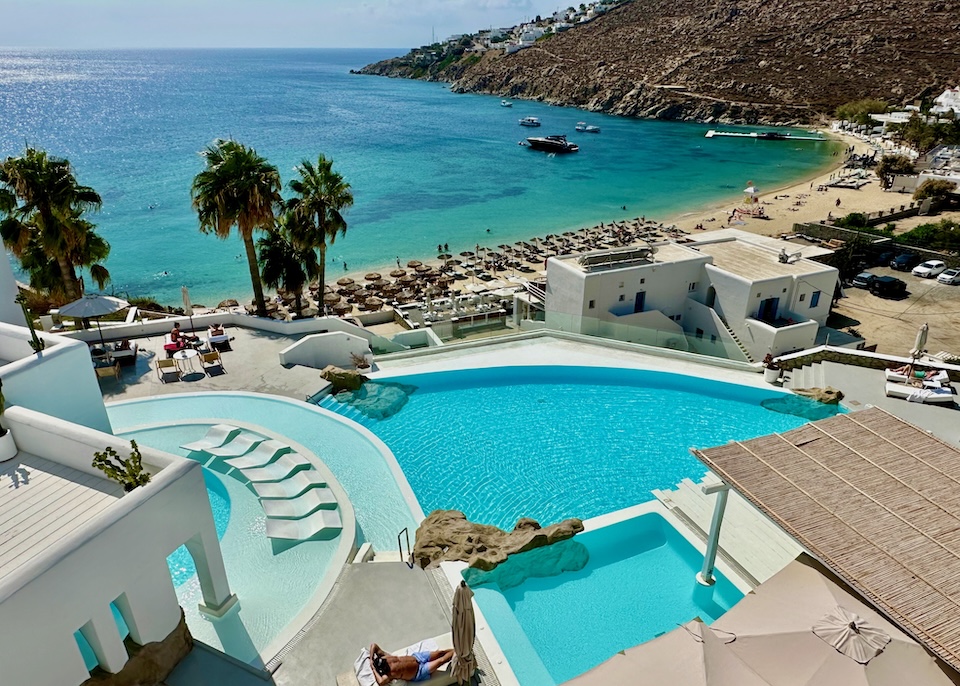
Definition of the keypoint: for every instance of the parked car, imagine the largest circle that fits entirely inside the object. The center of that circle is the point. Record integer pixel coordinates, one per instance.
(863, 279)
(928, 269)
(950, 277)
(904, 262)
(888, 287)
(886, 258)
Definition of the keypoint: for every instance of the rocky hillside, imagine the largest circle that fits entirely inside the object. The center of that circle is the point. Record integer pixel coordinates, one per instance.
(752, 61)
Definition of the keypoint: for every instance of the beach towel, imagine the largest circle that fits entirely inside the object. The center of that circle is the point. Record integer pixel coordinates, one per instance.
(918, 395)
(365, 671)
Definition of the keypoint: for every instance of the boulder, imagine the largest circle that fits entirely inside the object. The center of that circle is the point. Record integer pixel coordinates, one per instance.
(828, 395)
(447, 535)
(343, 379)
(228, 303)
(150, 664)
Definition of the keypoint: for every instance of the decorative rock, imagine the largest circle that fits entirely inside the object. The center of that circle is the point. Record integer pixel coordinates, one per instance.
(563, 556)
(343, 379)
(828, 395)
(446, 535)
(152, 663)
(228, 303)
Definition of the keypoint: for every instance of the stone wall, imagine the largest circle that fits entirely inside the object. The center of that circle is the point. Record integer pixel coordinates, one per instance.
(851, 358)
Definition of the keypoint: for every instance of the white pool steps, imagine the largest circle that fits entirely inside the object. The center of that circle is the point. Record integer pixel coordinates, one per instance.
(262, 455)
(217, 435)
(301, 506)
(240, 445)
(290, 487)
(320, 523)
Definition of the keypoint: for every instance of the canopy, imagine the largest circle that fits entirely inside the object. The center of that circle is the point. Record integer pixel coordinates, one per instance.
(93, 305)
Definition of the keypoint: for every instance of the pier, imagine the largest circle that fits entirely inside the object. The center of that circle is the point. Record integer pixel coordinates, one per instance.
(766, 136)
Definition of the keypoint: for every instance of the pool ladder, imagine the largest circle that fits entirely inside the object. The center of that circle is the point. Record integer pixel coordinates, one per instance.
(408, 559)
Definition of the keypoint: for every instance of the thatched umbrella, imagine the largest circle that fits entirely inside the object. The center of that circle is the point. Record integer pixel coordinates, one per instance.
(331, 298)
(444, 256)
(406, 296)
(423, 267)
(345, 281)
(407, 279)
(352, 287)
(342, 308)
(371, 276)
(413, 264)
(373, 303)
(392, 288)
(397, 273)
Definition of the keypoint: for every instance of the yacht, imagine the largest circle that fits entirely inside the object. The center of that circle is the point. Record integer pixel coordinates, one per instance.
(552, 144)
(506, 103)
(588, 128)
(529, 121)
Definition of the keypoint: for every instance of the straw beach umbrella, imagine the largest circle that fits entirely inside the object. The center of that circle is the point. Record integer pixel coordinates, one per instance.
(464, 631)
(372, 276)
(345, 281)
(397, 273)
(413, 264)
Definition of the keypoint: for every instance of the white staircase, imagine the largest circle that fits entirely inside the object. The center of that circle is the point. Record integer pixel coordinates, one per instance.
(344, 410)
(736, 339)
(807, 376)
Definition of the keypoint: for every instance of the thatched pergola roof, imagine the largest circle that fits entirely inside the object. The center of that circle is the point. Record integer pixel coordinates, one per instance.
(877, 500)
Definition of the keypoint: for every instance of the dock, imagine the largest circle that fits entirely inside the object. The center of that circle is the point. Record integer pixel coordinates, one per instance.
(772, 136)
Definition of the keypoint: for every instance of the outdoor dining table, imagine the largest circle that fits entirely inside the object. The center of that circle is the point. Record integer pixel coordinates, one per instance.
(187, 355)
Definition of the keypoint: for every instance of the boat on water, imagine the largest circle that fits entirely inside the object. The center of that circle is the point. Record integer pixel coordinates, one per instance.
(552, 144)
(765, 135)
(587, 128)
(529, 121)
(506, 103)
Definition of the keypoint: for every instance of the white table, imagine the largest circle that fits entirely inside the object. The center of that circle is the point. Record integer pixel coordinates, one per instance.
(187, 355)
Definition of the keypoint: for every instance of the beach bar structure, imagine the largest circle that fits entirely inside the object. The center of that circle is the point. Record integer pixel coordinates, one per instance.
(872, 497)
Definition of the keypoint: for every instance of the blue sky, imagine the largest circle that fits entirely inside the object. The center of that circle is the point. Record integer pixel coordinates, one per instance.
(249, 23)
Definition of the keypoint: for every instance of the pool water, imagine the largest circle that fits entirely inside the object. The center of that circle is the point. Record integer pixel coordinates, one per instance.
(556, 442)
(639, 582)
(180, 562)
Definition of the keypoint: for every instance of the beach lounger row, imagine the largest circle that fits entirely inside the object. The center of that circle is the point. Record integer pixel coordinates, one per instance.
(294, 496)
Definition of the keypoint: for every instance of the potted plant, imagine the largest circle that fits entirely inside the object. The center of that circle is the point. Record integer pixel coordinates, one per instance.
(129, 473)
(771, 369)
(361, 362)
(8, 448)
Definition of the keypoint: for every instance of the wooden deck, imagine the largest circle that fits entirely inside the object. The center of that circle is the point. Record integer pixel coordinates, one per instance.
(749, 542)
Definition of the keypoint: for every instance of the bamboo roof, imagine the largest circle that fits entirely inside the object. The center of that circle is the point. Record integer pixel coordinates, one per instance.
(877, 500)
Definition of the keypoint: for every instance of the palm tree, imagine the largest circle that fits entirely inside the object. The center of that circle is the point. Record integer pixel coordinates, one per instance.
(238, 187)
(285, 263)
(322, 195)
(43, 206)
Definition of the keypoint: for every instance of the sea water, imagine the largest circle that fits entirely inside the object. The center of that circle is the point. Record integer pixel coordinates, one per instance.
(427, 166)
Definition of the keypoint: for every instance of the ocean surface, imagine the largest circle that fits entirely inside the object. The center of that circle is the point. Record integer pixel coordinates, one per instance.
(427, 166)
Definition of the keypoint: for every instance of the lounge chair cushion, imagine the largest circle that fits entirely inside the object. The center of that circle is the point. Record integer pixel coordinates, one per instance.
(920, 395)
(942, 376)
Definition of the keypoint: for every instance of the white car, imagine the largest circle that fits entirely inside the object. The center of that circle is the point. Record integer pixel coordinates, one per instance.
(929, 269)
(950, 276)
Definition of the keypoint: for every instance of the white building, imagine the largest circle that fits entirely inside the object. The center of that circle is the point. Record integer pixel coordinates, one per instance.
(730, 294)
(947, 101)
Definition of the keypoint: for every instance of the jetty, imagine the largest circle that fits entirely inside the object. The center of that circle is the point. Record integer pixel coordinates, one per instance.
(764, 135)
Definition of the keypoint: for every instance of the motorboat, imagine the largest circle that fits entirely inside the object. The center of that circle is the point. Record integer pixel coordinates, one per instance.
(552, 144)
(529, 121)
(506, 103)
(587, 128)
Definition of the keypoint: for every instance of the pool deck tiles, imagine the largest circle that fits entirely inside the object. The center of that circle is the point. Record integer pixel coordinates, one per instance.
(749, 542)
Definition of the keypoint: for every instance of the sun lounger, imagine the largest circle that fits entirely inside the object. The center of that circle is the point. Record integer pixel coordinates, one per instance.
(325, 523)
(296, 508)
(920, 395)
(279, 470)
(263, 454)
(240, 445)
(941, 376)
(217, 435)
(289, 488)
(361, 675)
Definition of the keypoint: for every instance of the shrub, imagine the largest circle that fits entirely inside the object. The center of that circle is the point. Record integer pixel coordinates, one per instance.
(128, 473)
(934, 188)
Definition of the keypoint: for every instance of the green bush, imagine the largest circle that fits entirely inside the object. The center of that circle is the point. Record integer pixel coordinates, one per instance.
(859, 111)
(934, 188)
(854, 220)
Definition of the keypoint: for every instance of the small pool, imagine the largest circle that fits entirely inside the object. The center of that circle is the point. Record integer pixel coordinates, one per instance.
(639, 582)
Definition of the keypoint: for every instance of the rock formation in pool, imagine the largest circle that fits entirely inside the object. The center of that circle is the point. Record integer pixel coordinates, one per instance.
(447, 536)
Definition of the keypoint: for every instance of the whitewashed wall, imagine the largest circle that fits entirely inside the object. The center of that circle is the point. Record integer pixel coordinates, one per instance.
(322, 349)
(10, 311)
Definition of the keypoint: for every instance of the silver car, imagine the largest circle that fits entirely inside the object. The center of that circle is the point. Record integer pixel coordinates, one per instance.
(950, 276)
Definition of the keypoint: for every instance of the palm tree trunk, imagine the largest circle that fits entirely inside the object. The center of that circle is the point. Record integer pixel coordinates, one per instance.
(297, 303)
(69, 278)
(323, 267)
(255, 275)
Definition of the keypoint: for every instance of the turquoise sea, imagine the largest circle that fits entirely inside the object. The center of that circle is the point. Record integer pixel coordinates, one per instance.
(427, 166)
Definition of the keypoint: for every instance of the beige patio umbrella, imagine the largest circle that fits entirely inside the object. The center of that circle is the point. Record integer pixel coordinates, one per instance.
(345, 281)
(802, 627)
(464, 630)
(691, 655)
(920, 343)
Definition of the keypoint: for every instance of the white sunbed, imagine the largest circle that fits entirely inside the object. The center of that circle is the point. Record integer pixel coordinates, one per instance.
(321, 522)
(262, 455)
(241, 445)
(304, 504)
(290, 488)
(940, 377)
(920, 395)
(217, 435)
(279, 470)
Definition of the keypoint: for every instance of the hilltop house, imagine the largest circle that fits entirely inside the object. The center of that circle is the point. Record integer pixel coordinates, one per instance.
(947, 101)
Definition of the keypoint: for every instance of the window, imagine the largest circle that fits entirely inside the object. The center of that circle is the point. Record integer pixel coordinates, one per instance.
(803, 296)
(622, 297)
(699, 333)
(713, 338)
(621, 284)
(692, 286)
(592, 305)
(643, 280)
(676, 317)
(815, 299)
(784, 290)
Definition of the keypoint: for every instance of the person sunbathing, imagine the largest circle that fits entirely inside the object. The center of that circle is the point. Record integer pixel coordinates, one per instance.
(216, 330)
(182, 340)
(908, 371)
(417, 667)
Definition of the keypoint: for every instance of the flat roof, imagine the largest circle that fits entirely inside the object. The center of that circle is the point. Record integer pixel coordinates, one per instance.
(807, 250)
(754, 263)
(663, 253)
(877, 500)
(43, 502)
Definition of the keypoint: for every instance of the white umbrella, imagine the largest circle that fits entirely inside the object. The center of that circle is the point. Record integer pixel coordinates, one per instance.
(921, 342)
(94, 306)
(751, 190)
(464, 631)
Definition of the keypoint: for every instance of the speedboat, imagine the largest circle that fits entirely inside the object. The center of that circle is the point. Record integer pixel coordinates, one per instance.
(588, 128)
(529, 121)
(506, 103)
(552, 144)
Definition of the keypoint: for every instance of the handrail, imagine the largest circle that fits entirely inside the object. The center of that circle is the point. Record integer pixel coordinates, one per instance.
(408, 560)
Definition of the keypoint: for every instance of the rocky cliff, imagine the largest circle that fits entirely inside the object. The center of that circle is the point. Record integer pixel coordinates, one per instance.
(749, 61)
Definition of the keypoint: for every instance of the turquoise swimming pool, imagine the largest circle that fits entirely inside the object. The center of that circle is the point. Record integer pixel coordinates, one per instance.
(638, 583)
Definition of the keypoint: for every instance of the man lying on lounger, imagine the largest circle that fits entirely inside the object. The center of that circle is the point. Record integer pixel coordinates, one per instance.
(417, 667)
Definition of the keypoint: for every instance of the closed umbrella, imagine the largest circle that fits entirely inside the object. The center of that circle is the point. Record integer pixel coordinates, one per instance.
(920, 343)
(464, 631)
(187, 305)
(93, 307)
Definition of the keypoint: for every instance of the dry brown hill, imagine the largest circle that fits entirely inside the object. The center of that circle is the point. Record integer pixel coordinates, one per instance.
(772, 61)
